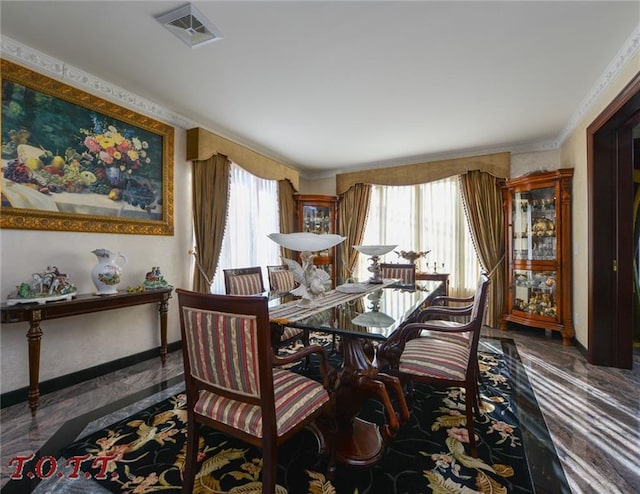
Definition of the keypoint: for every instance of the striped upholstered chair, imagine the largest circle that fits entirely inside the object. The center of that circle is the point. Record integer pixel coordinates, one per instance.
(248, 281)
(441, 352)
(281, 281)
(243, 281)
(280, 278)
(253, 399)
(406, 273)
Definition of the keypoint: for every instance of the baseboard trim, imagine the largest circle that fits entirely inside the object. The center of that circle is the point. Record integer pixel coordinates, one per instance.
(581, 348)
(20, 395)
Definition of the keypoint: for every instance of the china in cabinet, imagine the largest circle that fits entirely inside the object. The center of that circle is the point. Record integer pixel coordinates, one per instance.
(538, 252)
(317, 214)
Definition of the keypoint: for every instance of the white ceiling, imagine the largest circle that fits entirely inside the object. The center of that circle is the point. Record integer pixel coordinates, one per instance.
(331, 86)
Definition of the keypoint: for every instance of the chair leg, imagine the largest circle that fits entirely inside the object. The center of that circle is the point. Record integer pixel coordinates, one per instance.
(478, 400)
(269, 466)
(191, 460)
(470, 399)
(305, 342)
(335, 345)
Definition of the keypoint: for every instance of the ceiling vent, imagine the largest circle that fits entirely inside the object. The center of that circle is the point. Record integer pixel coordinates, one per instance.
(188, 24)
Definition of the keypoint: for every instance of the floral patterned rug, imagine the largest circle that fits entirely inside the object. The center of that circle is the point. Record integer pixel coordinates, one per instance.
(429, 453)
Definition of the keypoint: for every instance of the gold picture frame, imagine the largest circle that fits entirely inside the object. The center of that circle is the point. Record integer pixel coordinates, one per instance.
(72, 161)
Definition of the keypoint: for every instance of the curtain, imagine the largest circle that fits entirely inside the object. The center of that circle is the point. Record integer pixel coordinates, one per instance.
(210, 186)
(253, 214)
(426, 217)
(287, 207)
(353, 209)
(482, 196)
(497, 164)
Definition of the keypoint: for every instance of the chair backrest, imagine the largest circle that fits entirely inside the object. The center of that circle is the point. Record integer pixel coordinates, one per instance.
(243, 281)
(280, 278)
(226, 342)
(406, 273)
(478, 310)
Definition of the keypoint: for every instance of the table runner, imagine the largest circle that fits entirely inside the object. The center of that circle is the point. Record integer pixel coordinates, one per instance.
(292, 311)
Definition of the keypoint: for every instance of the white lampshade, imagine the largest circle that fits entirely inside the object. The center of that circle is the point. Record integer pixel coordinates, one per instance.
(374, 250)
(306, 241)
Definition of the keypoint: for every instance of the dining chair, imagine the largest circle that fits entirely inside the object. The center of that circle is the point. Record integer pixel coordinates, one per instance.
(235, 384)
(444, 311)
(444, 361)
(280, 278)
(248, 281)
(243, 281)
(406, 273)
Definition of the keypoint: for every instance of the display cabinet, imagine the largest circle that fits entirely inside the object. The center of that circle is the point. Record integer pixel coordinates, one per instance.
(538, 252)
(317, 214)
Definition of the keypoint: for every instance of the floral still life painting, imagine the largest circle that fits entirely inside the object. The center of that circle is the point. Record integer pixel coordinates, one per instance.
(67, 156)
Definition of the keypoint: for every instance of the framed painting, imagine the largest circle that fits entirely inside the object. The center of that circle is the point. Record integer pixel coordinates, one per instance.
(72, 161)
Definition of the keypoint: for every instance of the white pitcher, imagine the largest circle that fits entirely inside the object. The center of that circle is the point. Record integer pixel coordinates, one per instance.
(106, 274)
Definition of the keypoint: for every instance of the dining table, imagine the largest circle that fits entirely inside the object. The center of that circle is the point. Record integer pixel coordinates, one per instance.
(361, 315)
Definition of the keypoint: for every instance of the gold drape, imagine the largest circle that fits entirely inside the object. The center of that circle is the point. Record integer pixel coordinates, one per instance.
(482, 199)
(210, 186)
(287, 212)
(353, 209)
(202, 144)
(498, 165)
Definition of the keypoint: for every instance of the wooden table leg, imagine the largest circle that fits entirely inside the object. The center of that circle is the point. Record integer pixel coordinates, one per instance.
(164, 308)
(34, 335)
(358, 441)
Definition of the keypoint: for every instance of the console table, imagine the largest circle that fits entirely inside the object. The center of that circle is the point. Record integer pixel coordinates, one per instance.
(443, 277)
(33, 313)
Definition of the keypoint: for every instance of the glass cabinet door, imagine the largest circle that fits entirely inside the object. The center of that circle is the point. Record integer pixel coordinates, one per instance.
(534, 224)
(317, 219)
(534, 292)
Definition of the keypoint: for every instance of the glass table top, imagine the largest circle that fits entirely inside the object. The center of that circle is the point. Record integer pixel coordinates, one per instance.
(372, 315)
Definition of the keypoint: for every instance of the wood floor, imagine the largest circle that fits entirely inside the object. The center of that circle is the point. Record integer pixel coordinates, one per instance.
(592, 413)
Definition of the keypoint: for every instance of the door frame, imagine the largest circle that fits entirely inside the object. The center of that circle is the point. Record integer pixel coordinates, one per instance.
(610, 199)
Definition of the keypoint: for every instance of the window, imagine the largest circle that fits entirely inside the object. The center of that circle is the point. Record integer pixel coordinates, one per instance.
(253, 214)
(425, 217)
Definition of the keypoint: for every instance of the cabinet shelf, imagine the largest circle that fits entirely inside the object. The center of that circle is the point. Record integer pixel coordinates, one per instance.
(317, 214)
(538, 252)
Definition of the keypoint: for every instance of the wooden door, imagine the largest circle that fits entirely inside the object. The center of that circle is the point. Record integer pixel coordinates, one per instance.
(610, 183)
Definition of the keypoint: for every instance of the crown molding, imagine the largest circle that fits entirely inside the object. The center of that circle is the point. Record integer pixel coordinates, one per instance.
(54, 68)
(624, 55)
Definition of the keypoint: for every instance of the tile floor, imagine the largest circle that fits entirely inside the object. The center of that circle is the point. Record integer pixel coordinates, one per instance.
(592, 413)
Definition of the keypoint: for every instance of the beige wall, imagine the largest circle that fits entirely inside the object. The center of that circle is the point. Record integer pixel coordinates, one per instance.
(324, 186)
(523, 163)
(574, 155)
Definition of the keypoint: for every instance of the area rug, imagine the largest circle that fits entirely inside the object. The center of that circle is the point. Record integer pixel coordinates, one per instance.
(430, 452)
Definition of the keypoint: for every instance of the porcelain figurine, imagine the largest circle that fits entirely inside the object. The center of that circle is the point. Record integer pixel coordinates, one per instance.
(312, 281)
(154, 280)
(48, 286)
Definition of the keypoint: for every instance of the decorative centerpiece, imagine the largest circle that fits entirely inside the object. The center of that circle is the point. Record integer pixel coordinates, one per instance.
(312, 281)
(154, 280)
(411, 255)
(106, 274)
(375, 251)
(49, 286)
